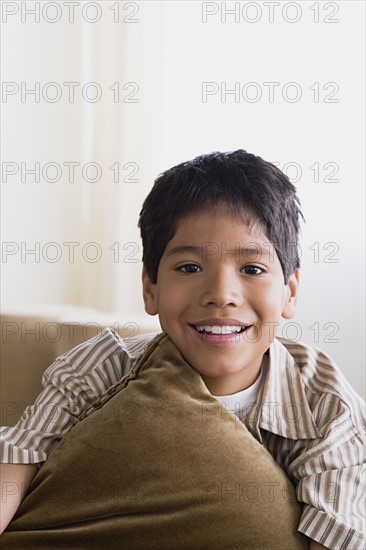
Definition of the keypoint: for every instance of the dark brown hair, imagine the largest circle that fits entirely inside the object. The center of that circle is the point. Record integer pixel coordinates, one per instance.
(245, 183)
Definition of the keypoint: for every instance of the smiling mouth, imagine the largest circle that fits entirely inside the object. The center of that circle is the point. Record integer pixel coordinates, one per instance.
(221, 329)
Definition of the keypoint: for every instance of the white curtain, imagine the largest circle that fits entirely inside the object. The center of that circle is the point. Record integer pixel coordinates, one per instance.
(76, 240)
(126, 143)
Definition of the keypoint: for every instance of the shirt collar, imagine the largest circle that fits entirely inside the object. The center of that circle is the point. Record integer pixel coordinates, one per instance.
(282, 407)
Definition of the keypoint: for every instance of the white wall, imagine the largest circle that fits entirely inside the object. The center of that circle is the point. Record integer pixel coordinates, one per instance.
(169, 52)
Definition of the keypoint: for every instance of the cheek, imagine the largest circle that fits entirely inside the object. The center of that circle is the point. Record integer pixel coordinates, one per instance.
(171, 295)
(268, 301)
(172, 299)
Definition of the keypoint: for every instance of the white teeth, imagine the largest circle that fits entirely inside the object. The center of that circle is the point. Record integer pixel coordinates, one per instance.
(219, 329)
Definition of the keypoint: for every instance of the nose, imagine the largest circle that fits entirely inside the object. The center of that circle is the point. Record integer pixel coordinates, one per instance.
(222, 288)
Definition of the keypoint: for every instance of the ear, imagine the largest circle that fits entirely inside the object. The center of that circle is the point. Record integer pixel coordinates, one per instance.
(149, 291)
(292, 288)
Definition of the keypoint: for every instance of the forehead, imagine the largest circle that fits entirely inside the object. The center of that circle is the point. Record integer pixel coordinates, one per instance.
(219, 222)
(212, 234)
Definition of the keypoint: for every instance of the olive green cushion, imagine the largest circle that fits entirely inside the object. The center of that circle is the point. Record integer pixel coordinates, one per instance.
(158, 464)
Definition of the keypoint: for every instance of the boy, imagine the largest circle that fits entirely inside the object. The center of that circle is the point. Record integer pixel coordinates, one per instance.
(220, 267)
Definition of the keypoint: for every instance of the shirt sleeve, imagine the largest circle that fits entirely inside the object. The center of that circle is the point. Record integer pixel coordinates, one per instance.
(71, 384)
(331, 474)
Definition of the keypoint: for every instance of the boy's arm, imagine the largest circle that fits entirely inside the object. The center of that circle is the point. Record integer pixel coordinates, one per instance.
(15, 480)
(71, 384)
(324, 448)
(331, 479)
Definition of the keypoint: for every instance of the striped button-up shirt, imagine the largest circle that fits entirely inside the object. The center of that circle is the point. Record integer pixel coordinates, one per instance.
(306, 415)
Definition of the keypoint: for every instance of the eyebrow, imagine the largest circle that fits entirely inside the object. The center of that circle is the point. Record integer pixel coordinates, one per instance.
(245, 250)
(185, 249)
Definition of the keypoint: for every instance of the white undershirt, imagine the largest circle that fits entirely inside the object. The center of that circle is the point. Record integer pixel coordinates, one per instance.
(241, 403)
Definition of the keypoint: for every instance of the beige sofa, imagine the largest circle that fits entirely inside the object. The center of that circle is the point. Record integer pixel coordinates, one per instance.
(30, 342)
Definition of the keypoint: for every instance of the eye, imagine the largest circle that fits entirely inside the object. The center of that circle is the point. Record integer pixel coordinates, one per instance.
(189, 268)
(252, 270)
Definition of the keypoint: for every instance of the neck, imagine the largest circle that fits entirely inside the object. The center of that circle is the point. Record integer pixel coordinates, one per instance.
(230, 384)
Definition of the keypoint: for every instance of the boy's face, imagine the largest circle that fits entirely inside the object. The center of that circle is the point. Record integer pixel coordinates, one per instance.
(217, 277)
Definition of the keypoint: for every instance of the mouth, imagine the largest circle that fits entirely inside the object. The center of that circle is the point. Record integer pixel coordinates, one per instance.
(217, 329)
(221, 327)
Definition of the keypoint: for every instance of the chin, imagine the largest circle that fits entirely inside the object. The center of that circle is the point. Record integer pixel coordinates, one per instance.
(217, 373)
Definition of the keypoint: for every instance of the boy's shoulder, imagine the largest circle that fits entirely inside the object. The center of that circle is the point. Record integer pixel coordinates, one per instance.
(308, 359)
(315, 367)
(98, 349)
(307, 373)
